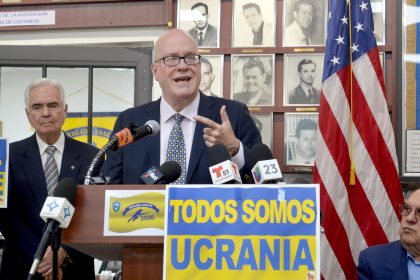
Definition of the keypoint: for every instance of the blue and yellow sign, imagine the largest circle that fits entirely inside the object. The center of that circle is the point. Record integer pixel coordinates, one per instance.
(242, 233)
(4, 163)
(134, 212)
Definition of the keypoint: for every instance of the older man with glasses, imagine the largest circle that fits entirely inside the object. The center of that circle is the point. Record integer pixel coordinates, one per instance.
(190, 121)
(398, 260)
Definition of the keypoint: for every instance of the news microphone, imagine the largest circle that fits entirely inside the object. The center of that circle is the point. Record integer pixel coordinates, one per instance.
(267, 169)
(120, 139)
(56, 212)
(167, 173)
(133, 133)
(222, 169)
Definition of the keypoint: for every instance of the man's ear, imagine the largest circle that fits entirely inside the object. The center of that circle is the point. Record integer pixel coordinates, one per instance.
(153, 68)
(294, 14)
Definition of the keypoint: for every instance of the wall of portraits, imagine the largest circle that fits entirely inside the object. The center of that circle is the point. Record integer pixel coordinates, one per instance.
(270, 55)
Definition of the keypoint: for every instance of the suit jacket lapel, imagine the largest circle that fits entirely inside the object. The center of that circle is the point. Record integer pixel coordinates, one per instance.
(32, 166)
(153, 146)
(396, 268)
(205, 109)
(70, 163)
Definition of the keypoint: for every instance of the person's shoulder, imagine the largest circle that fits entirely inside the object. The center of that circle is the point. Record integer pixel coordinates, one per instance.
(212, 28)
(20, 145)
(386, 248)
(219, 101)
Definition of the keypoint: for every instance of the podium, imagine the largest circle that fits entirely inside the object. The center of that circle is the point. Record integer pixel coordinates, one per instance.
(142, 256)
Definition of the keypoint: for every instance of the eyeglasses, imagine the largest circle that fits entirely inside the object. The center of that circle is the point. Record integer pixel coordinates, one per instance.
(175, 60)
(406, 210)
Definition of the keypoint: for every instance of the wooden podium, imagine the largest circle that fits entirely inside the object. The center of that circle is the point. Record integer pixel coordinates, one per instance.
(142, 256)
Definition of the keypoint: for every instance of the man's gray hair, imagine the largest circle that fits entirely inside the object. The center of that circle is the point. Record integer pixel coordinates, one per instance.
(44, 82)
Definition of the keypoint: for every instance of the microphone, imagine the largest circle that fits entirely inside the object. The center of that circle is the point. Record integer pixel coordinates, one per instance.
(120, 139)
(56, 212)
(133, 133)
(267, 169)
(222, 169)
(167, 173)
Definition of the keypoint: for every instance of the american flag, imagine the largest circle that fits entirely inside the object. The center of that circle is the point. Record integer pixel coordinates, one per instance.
(354, 127)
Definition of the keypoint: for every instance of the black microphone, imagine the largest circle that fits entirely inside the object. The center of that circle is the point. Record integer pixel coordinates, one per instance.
(167, 173)
(57, 212)
(267, 169)
(120, 139)
(222, 169)
(133, 133)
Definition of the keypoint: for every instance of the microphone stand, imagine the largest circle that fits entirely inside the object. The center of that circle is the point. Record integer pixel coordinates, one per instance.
(55, 246)
(99, 155)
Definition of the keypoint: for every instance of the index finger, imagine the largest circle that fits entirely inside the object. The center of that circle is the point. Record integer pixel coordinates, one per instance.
(207, 122)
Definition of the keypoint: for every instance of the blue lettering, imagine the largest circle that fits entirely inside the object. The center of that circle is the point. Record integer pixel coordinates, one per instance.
(197, 248)
(187, 250)
(303, 256)
(247, 256)
(272, 256)
(224, 249)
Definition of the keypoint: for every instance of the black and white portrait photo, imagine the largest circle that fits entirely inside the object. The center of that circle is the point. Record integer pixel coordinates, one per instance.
(254, 23)
(252, 79)
(304, 22)
(302, 79)
(300, 138)
(264, 123)
(212, 75)
(201, 20)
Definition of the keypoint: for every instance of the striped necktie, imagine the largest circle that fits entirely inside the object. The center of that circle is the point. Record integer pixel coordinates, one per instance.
(51, 170)
(176, 148)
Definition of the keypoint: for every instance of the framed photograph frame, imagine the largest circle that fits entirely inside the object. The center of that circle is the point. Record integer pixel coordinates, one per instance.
(304, 22)
(212, 75)
(252, 79)
(264, 123)
(254, 23)
(378, 11)
(302, 79)
(201, 19)
(300, 132)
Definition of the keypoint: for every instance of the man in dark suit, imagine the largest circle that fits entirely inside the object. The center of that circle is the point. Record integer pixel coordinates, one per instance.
(205, 120)
(398, 260)
(204, 34)
(305, 93)
(20, 223)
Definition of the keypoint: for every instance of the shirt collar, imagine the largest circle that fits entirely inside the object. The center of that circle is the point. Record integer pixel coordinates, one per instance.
(189, 112)
(204, 30)
(59, 145)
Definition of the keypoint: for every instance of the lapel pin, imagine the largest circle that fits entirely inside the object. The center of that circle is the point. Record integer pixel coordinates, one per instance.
(72, 167)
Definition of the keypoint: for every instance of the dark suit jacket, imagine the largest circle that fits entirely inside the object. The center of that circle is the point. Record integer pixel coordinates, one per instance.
(210, 38)
(129, 163)
(383, 262)
(299, 96)
(21, 224)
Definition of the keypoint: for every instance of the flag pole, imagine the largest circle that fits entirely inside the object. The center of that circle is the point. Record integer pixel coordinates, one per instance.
(352, 181)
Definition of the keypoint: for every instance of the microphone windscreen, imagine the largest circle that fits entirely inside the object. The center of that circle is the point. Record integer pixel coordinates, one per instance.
(66, 188)
(154, 125)
(261, 152)
(170, 170)
(217, 154)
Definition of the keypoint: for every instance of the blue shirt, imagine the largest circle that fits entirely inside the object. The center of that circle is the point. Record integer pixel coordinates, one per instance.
(413, 267)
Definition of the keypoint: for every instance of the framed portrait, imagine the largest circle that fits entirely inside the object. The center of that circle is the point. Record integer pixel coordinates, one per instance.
(212, 75)
(300, 138)
(264, 123)
(302, 79)
(304, 22)
(201, 19)
(378, 11)
(254, 23)
(252, 79)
